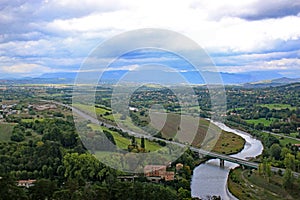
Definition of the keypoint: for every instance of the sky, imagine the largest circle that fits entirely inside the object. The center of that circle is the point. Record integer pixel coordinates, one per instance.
(38, 37)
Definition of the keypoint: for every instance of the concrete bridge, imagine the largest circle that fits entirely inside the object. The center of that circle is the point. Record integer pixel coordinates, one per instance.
(224, 157)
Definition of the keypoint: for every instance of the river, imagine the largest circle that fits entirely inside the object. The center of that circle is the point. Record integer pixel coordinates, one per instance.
(210, 179)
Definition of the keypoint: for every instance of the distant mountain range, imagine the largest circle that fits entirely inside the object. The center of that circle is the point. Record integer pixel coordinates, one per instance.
(247, 79)
(272, 83)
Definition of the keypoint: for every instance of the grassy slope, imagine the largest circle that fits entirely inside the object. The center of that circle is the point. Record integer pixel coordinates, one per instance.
(246, 186)
(229, 143)
(123, 143)
(223, 142)
(220, 141)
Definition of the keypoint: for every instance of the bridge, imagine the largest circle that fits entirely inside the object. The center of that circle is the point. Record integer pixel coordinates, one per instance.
(222, 157)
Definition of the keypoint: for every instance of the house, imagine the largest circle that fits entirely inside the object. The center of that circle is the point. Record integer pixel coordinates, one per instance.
(26, 183)
(297, 145)
(169, 176)
(45, 107)
(133, 109)
(179, 166)
(154, 170)
(155, 173)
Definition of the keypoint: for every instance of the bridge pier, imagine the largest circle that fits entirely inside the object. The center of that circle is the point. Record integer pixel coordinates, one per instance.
(222, 163)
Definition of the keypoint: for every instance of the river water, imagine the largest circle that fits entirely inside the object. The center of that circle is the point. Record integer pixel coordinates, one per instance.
(210, 179)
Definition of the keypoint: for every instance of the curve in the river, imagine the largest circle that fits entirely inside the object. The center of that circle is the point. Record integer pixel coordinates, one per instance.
(210, 179)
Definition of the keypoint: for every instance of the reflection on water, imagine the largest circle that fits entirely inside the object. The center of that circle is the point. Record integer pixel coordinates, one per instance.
(210, 179)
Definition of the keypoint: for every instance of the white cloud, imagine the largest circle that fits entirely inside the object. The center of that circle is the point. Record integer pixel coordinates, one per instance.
(228, 34)
(60, 33)
(25, 69)
(283, 64)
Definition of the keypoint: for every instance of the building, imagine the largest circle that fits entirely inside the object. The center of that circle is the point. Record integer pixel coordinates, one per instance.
(45, 107)
(169, 176)
(154, 170)
(297, 145)
(26, 183)
(179, 166)
(155, 173)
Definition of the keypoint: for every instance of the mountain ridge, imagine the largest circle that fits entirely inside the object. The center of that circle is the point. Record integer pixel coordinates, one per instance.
(246, 79)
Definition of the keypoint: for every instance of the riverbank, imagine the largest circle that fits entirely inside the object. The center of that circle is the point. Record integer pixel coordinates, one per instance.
(229, 143)
(210, 179)
(247, 184)
(259, 134)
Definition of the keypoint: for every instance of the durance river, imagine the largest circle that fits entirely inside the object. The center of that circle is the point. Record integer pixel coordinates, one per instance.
(210, 179)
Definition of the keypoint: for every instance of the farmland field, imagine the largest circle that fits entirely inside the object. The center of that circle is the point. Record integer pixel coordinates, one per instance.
(264, 121)
(278, 106)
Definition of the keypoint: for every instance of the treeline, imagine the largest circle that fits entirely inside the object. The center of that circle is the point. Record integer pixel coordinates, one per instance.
(283, 120)
(59, 162)
(287, 156)
(82, 176)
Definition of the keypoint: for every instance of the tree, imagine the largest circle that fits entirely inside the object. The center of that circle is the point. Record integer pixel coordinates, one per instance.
(83, 167)
(268, 171)
(289, 161)
(9, 189)
(260, 169)
(275, 151)
(288, 179)
(17, 137)
(133, 142)
(143, 142)
(43, 189)
(284, 152)
(269, 140)
(183, 193)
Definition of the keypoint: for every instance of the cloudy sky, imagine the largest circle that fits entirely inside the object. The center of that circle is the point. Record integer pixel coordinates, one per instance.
(48, 36)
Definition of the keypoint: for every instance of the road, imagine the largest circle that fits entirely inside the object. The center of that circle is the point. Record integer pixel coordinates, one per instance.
(281, 135)
(150, 137)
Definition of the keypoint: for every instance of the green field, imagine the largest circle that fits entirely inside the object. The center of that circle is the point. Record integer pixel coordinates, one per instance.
(31, 120)
(6, 131)
(277, 106)
(283, 140)
(229, 143)
(99, 110)
(286, 141)
(90, 109)
(122, 142)
(264, 121)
